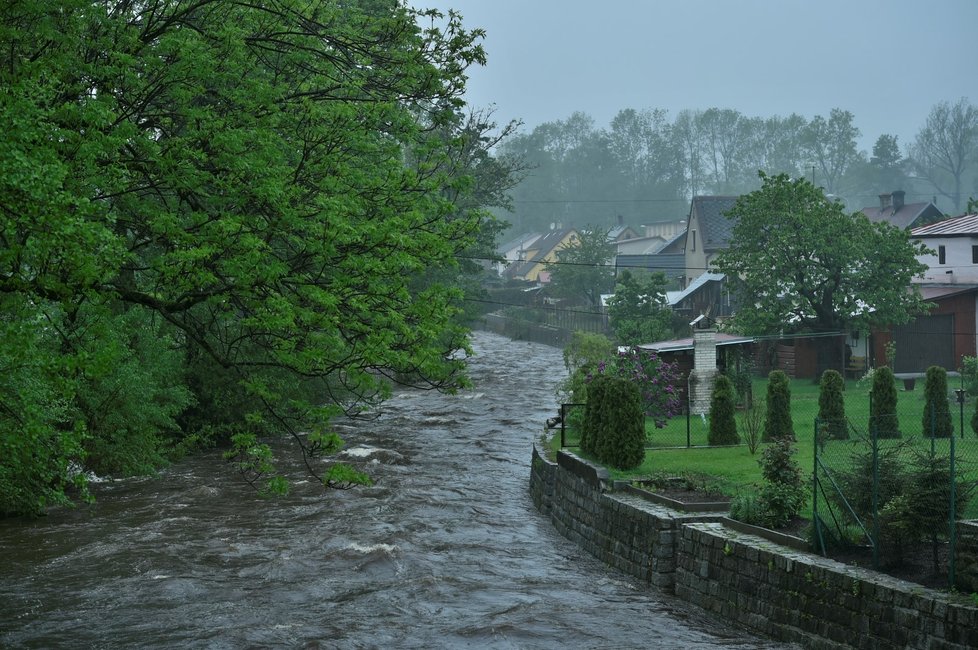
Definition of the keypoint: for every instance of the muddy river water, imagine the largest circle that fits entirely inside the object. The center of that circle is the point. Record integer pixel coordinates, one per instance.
(444, 551)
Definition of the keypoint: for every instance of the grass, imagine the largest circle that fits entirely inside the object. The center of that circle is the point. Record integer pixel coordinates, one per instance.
(680, 448)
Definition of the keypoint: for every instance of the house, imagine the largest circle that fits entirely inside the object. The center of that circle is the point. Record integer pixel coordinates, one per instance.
(708, 295)
(668, 260)
(939, 338)
(893, 210)
(954, 243)
(947, 333)
(707, 233)
(621, 232)
(515, 250)
(640, 245)
(540, 253)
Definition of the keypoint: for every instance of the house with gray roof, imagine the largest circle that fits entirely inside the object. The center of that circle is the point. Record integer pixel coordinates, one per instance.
(707, 233)
(954, 250)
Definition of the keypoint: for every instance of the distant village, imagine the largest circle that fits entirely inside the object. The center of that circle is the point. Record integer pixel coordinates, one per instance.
(683, 250)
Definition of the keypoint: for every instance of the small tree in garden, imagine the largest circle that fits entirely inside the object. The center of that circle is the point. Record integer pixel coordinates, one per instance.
(753, 424)
(723, 423)
(783, 493)
(655, 379)
(831, 406)
(621, 442)
(581, 358)
(937, 411)
(777, 422)
(883, 404)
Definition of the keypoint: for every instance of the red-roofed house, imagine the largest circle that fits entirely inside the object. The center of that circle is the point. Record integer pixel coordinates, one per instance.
(892, 209)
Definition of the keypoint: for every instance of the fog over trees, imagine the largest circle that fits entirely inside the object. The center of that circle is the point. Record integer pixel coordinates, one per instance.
(645, 165)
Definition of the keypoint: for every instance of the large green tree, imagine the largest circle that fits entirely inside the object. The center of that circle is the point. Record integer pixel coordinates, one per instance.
(803, 264)
(638, 309)
(247, 199)
(582, 270)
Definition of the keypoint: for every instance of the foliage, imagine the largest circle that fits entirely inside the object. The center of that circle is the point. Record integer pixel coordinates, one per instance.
(280, 193)
(723, 423)
(883, 419)
(581, 358)
(831, 405)
(969, 374)
(621, 436)
(582, 270)
(782, 494)
(594, 413)
(777, 420)
(638, 310)
(928, 493)
(655, 379)
(800, 259)
(937, 412)
(748, 508)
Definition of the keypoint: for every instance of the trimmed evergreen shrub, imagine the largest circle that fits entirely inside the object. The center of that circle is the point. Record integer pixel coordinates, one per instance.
(622, 438)
(883, 404)
(777, 421)
(831, 406)
(723, 421)
(594, 414)
(937, 411)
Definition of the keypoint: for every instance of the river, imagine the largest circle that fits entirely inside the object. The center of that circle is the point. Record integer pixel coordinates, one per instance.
(444, 551)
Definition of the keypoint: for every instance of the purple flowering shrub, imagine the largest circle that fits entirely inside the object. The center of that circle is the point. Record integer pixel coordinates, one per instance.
(655, 378)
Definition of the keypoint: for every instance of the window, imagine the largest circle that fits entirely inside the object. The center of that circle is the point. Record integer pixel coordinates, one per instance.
(974, 254)
(941, 255)
(693, 247)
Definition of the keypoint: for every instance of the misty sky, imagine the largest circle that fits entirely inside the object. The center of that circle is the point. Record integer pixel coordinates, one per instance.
(886, 61)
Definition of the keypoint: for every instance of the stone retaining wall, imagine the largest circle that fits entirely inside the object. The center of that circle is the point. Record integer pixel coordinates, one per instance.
(779, 592)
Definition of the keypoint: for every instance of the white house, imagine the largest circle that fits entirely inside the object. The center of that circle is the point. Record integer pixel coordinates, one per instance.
(955, 250)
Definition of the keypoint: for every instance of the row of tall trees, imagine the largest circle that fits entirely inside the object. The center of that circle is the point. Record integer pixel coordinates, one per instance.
(645, 166)
(228, 219)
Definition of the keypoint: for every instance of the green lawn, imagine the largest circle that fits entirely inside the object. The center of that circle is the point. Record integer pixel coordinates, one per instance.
(735, 469)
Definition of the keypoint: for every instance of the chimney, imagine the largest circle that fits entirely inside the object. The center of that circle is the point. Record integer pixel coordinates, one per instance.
(621, 220)
(884, 201)
(898, 199)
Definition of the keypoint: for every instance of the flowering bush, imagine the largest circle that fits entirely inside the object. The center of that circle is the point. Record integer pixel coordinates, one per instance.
(655, 379)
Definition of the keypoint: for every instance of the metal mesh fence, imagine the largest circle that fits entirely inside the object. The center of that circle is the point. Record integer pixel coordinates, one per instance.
(893, 485)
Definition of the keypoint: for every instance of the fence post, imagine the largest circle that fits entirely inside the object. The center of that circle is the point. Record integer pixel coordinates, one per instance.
(873, 433)
(815, 520)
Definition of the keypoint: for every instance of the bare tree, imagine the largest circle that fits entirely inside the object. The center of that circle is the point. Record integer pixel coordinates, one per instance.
(947, 148)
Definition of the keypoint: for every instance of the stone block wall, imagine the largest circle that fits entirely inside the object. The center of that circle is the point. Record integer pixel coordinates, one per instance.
(626, 532)
(785, 594)
(966, 558)
(811, 600)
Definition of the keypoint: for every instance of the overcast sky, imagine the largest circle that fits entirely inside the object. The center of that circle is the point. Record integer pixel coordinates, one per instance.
(886, 61)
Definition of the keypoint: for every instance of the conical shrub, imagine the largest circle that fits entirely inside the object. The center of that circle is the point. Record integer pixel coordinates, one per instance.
(883, 404)
(777, 421)
(937, 411)
(831, 405)
(723, 421)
